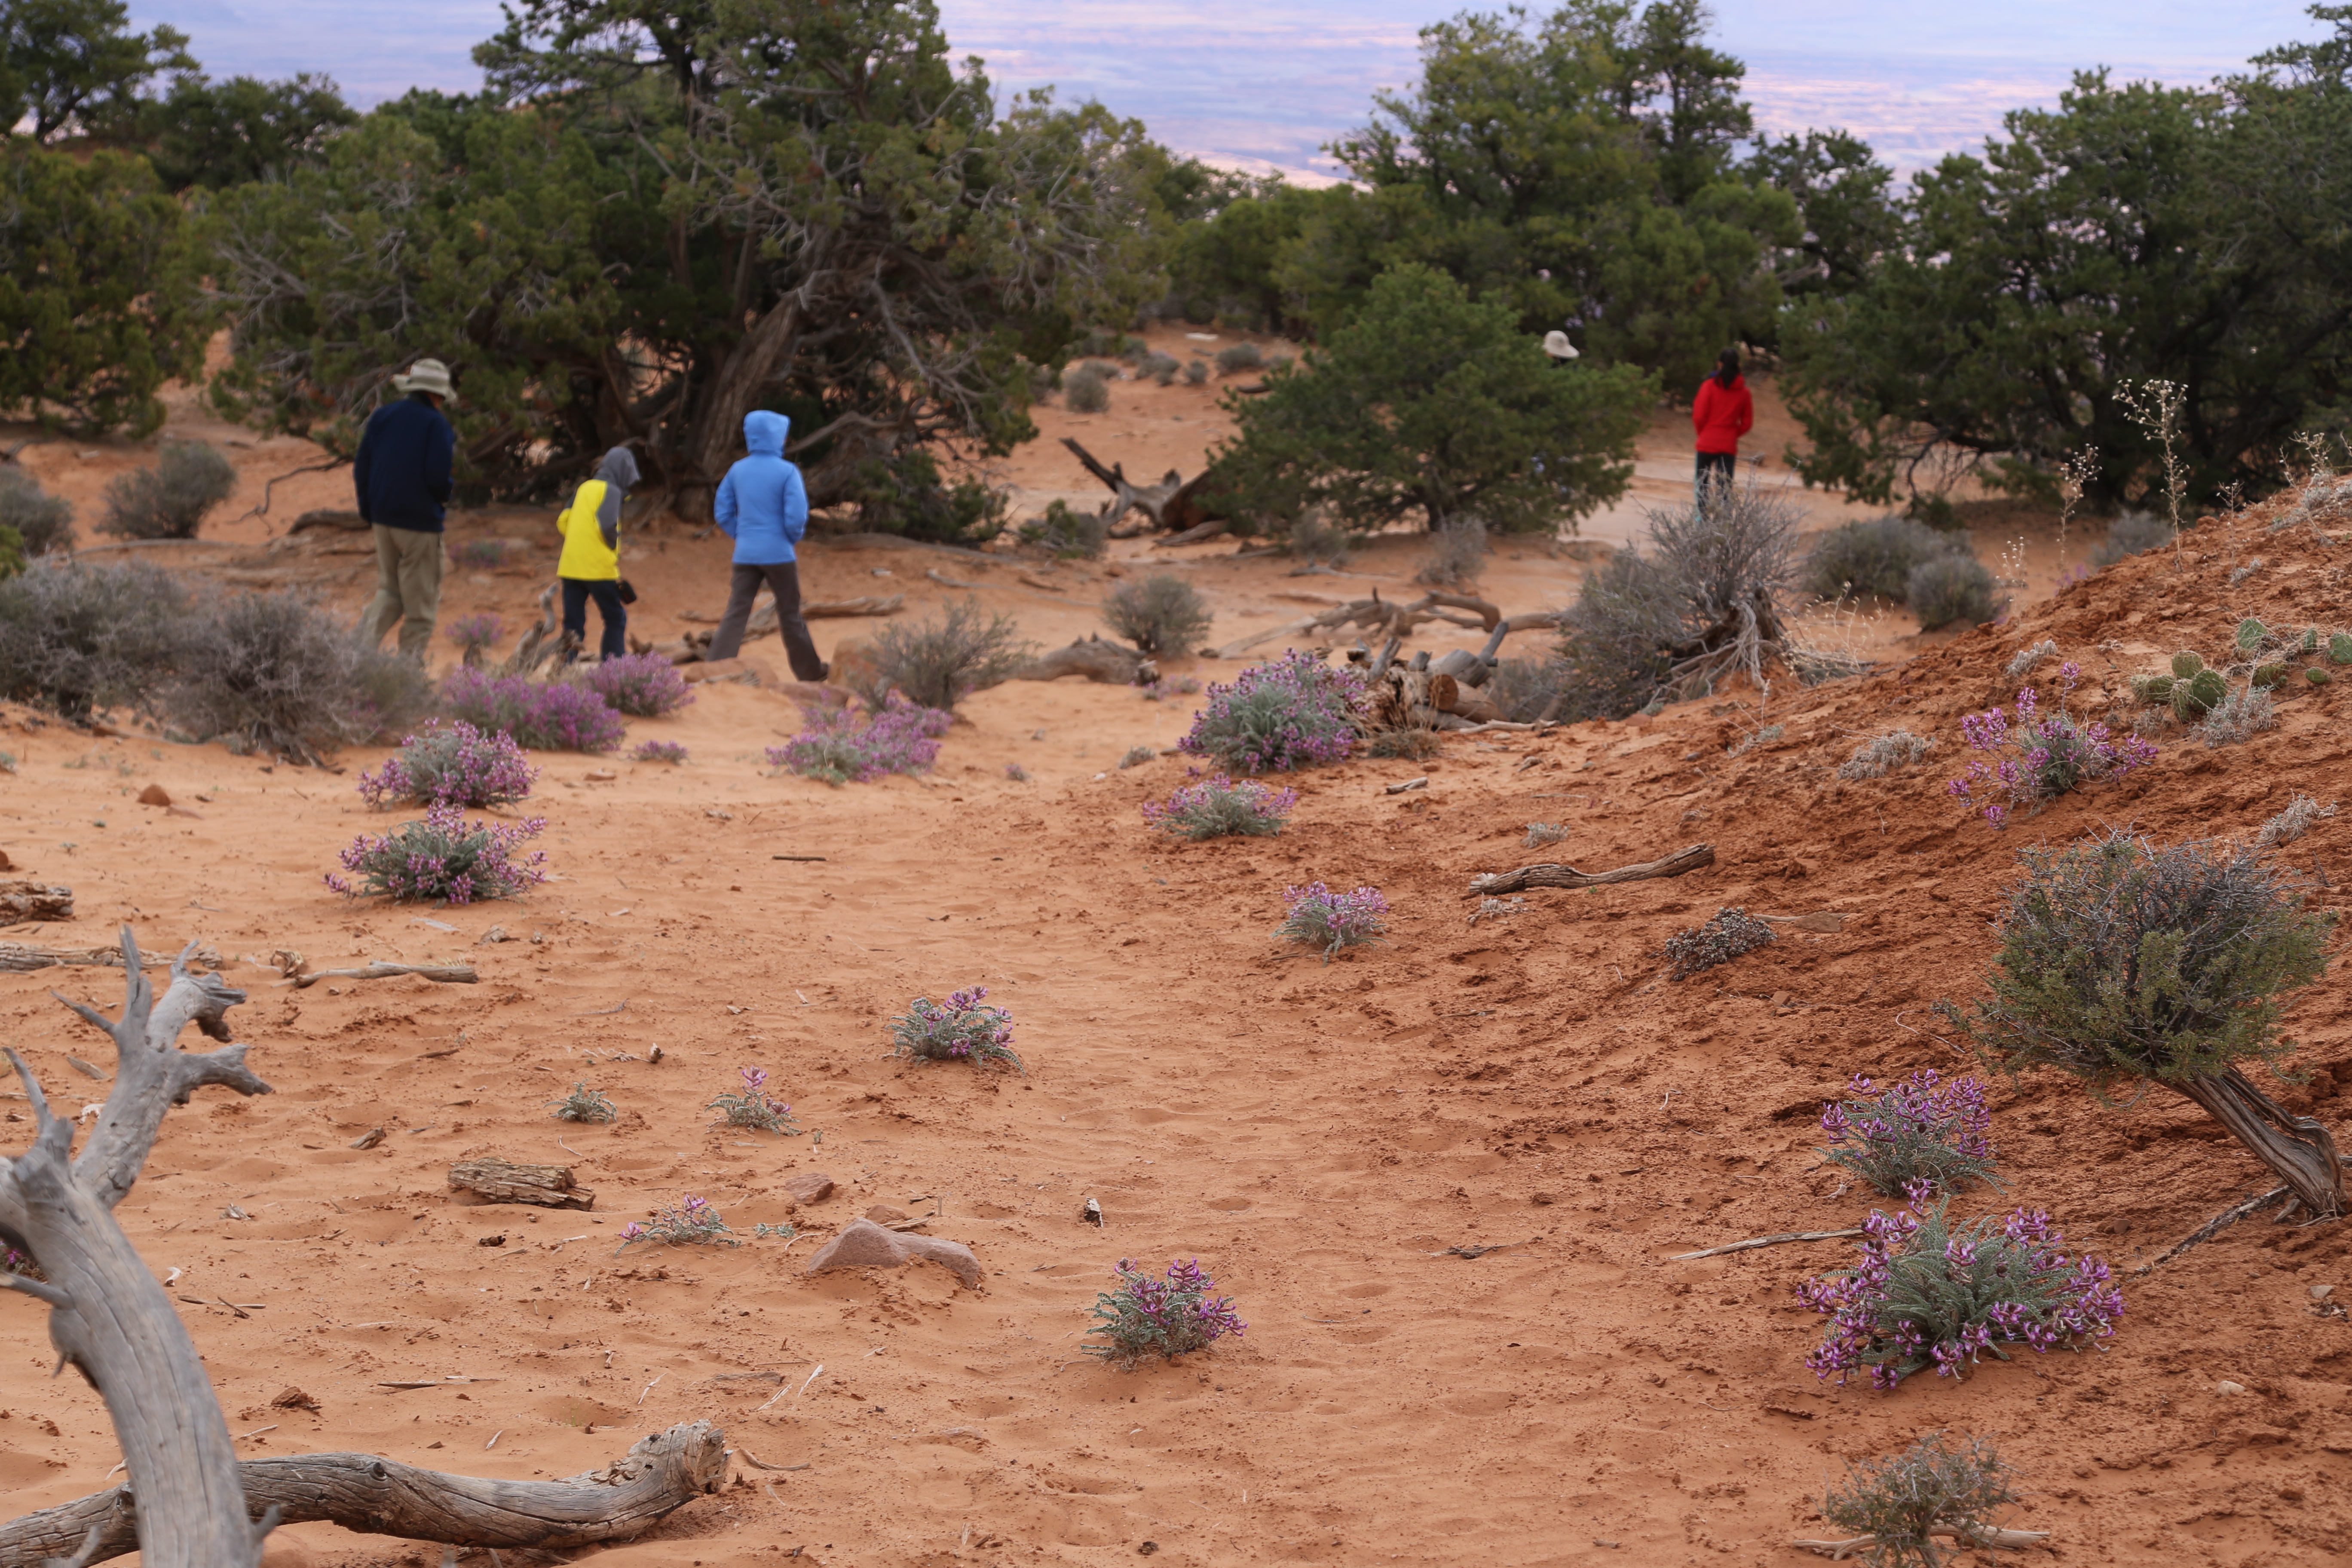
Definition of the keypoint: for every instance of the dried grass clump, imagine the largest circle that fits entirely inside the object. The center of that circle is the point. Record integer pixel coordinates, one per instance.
(2239, 717)
(76, 636)
(1730, 933)
(1087, 390)
(1410, 744)
(1900, 1508)
(2021, 664)
(276, 674)
(1457, 553)
(170, 499)
(1882, 755)
(2291, 824)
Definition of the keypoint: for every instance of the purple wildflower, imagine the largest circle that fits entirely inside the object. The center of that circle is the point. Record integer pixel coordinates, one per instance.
(1290, 713)
(659, 751)
(1218, 806)
(1924, 1131)
(2055, 752)
(691, 1221)
(1166, 1317)
(641, 685)
(559, 717)
(751, 1107)
(443, 859)
(840, 747)
(963, 1030)
(455, 765)
(1321, 918)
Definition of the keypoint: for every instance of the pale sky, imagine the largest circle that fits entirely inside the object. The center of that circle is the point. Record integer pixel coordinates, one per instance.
(1276, 79)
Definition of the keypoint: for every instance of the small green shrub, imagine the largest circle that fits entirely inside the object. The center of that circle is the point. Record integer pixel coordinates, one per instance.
(169, 501)
(1196, 373)
(1729, 934)
(1163, 614)
(1949, 588)
(1160, 367)
(936, 664)
(585, 1104)
(43, 523)
(1410, 744)
(1087, 390)
(1070, 534)
(1903, 1503)
(1875, 555)
(1235, 358)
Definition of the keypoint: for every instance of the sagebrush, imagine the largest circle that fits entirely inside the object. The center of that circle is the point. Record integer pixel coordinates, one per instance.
(172, 498)
(277, 674)
(936, 664)
(1875, 556)
(76, 636)
(1163, 614)
(1905, 1502)
(1952, 588)
(43, 523)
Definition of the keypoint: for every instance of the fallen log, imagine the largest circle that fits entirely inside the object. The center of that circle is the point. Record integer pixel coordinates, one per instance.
(447, 973)
(504, 1182)
(1553, 876)
(1380, 617)
(1973, 1533)
(383, 1496)
(1113, 664)
(1125, 494)
(23, 900)
(19, 958)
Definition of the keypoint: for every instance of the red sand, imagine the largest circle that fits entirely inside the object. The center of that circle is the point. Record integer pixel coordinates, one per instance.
(1318, 1135)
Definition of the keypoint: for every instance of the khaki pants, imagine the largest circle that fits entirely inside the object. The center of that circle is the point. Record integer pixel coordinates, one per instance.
(408, 566)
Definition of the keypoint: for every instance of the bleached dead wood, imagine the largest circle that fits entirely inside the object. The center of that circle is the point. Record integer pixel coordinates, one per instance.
(541, 643)
(1754, 1242)
(1973, 1533)
(1113, 664)
(383, 1496)
(1126, 495)
(1555, 875)
(20, 958)
(505, 1182)
(2214, 1226)
(23, 900)
(447, 973)
(1379, 617)
(109, 1317)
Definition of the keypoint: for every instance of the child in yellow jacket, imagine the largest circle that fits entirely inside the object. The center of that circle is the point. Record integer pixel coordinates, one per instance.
(590, 567)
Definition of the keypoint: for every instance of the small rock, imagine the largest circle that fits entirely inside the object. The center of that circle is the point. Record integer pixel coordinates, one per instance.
(154, 795)
(1547, 1198)
(883, 1213)
(1147, 1549)
(2321, 1293)
(294, 1399)
(494, 935)
(600, 775)
(7, 864)
(865, 1245)
(811, 1188)
(499, 1240)
(2225, 1386)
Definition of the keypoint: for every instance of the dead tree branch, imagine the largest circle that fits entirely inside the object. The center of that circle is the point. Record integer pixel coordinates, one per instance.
(383, 1496)
(1551, 876)
(447, 973)
(2214, 1226)
(1754, 1242)
(109, 1318)
(20, 958)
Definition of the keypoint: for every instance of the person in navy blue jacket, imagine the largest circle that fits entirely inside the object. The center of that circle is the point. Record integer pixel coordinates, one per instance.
(402, 473)
(762, 506)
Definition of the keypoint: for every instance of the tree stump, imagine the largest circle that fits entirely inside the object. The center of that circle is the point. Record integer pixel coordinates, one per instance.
(503, 1181)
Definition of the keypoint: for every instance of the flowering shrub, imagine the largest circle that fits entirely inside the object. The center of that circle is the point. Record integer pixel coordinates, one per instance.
(658, 752)
(585, 1104)
(962, 1030)
(2054, 753)
(559, 717)
(750, 1107)
(641, 685)
(1290, 713)
(14, 1262)
(1016, 773)
(459, 765)
(692, 1221)
(840, 747)
(1730, 933)
(1144, 1317)
(1321, 918)
(443, 859)
(1925, 1295)
(474, 634)
(1217, 807)
(1921, 1130)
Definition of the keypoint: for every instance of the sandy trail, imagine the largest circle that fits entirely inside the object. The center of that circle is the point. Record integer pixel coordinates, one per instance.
(1318, 1135)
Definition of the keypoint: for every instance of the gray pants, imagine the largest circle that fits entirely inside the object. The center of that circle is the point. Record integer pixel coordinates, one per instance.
(783, 580)
(408, 566)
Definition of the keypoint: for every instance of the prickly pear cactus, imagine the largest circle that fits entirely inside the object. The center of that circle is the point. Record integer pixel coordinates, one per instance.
(2207, 689)
(2156, 687)
(2269, 674)
(2318, 676)
(2311, 639)
(2339, 648)
(2185, 665)
(2251, 633)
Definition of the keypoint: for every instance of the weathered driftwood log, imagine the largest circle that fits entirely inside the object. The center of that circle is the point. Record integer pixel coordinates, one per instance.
(541, 643)
(2300, 1149)
(1379, 617)
(109, 1318)
(23, 900)
(447, 973)
(1113, 664)
(1969, 1531)
(20, 958)
(762, 619)
(1551, 876)
(384, 1497)
(504, 1182)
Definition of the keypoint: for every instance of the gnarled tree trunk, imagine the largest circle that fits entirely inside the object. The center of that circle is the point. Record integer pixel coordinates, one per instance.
(2298, 1147)
(109, 1319)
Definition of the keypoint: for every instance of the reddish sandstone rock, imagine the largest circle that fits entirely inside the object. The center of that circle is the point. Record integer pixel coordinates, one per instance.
(811, 1188)
(865, 1245)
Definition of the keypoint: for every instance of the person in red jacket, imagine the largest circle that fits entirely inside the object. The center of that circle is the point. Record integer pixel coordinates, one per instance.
(1721, 414)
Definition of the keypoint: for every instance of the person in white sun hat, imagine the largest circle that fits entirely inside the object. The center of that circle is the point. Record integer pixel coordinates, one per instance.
(1555, 344)
(402, 473)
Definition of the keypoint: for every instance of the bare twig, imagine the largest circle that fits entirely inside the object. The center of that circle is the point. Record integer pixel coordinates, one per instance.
(447, 973)
(1757, 1241)
(2212, 1227)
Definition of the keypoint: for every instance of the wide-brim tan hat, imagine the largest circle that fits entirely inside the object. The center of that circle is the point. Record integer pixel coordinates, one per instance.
(426, 375)
(1555, 344)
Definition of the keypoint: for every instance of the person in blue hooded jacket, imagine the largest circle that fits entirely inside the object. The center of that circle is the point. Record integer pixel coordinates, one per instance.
(762, 506)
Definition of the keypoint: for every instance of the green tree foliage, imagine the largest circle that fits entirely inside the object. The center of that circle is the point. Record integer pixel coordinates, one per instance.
(2135, 232)
(71, 66)
(1577, 170)
(662, 218)
(1430, 404)
(219, 134)
(98, 288)
(1846, 202)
